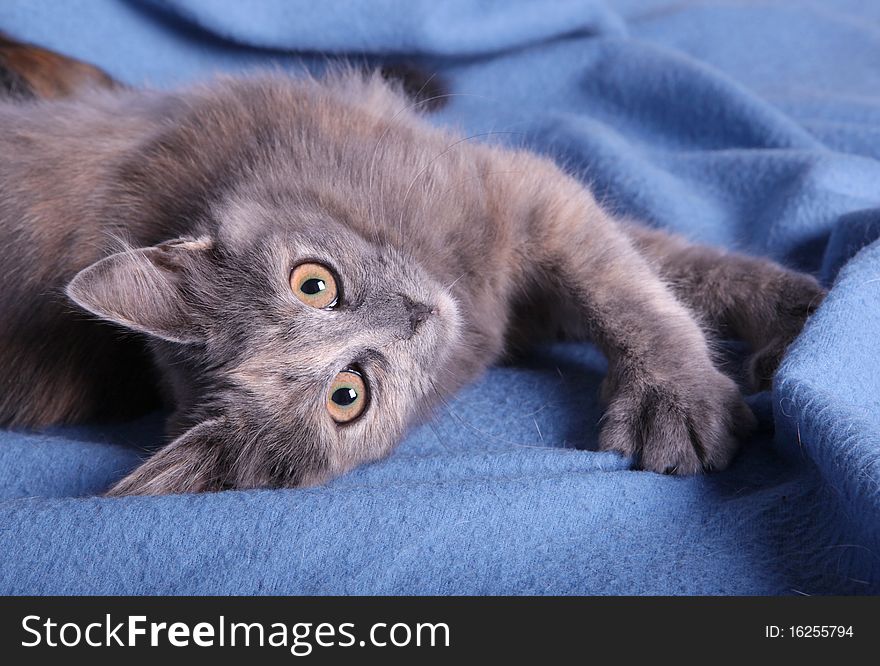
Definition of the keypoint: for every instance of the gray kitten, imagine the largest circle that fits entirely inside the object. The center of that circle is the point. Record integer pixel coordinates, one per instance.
(312, 268)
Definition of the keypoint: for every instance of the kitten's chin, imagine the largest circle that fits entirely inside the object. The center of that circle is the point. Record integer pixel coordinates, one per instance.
(442, 329)
(314, 479)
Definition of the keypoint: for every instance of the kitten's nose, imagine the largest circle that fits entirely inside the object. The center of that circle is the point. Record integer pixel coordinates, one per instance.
(418, 312)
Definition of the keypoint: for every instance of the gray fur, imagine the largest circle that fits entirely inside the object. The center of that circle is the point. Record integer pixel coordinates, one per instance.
(178, 217)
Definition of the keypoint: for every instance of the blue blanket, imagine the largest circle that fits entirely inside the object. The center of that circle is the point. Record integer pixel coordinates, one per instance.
(753, 125)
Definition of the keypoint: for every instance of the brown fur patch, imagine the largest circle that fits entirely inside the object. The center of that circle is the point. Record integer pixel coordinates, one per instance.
(46, 74)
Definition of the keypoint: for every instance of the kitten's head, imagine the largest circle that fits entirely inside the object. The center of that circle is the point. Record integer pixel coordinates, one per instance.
(300, 323)
(296, 348)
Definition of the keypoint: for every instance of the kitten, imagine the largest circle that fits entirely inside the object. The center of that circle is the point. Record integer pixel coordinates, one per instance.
(312, 267)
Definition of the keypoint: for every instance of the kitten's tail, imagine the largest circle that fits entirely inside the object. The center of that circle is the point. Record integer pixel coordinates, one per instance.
(31, 72)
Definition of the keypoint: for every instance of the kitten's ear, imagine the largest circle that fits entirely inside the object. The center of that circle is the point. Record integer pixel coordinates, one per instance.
(144, 289)
(192, 463)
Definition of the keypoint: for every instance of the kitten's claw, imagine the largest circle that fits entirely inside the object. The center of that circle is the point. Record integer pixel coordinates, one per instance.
(680, 429)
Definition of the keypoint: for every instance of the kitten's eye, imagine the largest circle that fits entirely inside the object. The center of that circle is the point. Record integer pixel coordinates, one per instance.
(347, 397)
(314, 285)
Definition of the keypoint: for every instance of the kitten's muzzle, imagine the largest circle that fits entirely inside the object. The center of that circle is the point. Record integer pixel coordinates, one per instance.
(416, 312)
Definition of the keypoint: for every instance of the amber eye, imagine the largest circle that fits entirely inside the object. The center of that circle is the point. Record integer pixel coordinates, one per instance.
(314, 285)
(347, 397)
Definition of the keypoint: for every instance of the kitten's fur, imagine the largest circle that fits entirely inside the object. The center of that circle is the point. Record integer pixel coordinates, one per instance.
(448, 254)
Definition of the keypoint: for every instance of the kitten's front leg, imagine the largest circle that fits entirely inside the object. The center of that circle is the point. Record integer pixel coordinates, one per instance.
(667, 403)
(753, 299)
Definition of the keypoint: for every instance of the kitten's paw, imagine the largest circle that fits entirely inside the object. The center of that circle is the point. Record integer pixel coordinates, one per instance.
(677, 429)
(797, 297)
